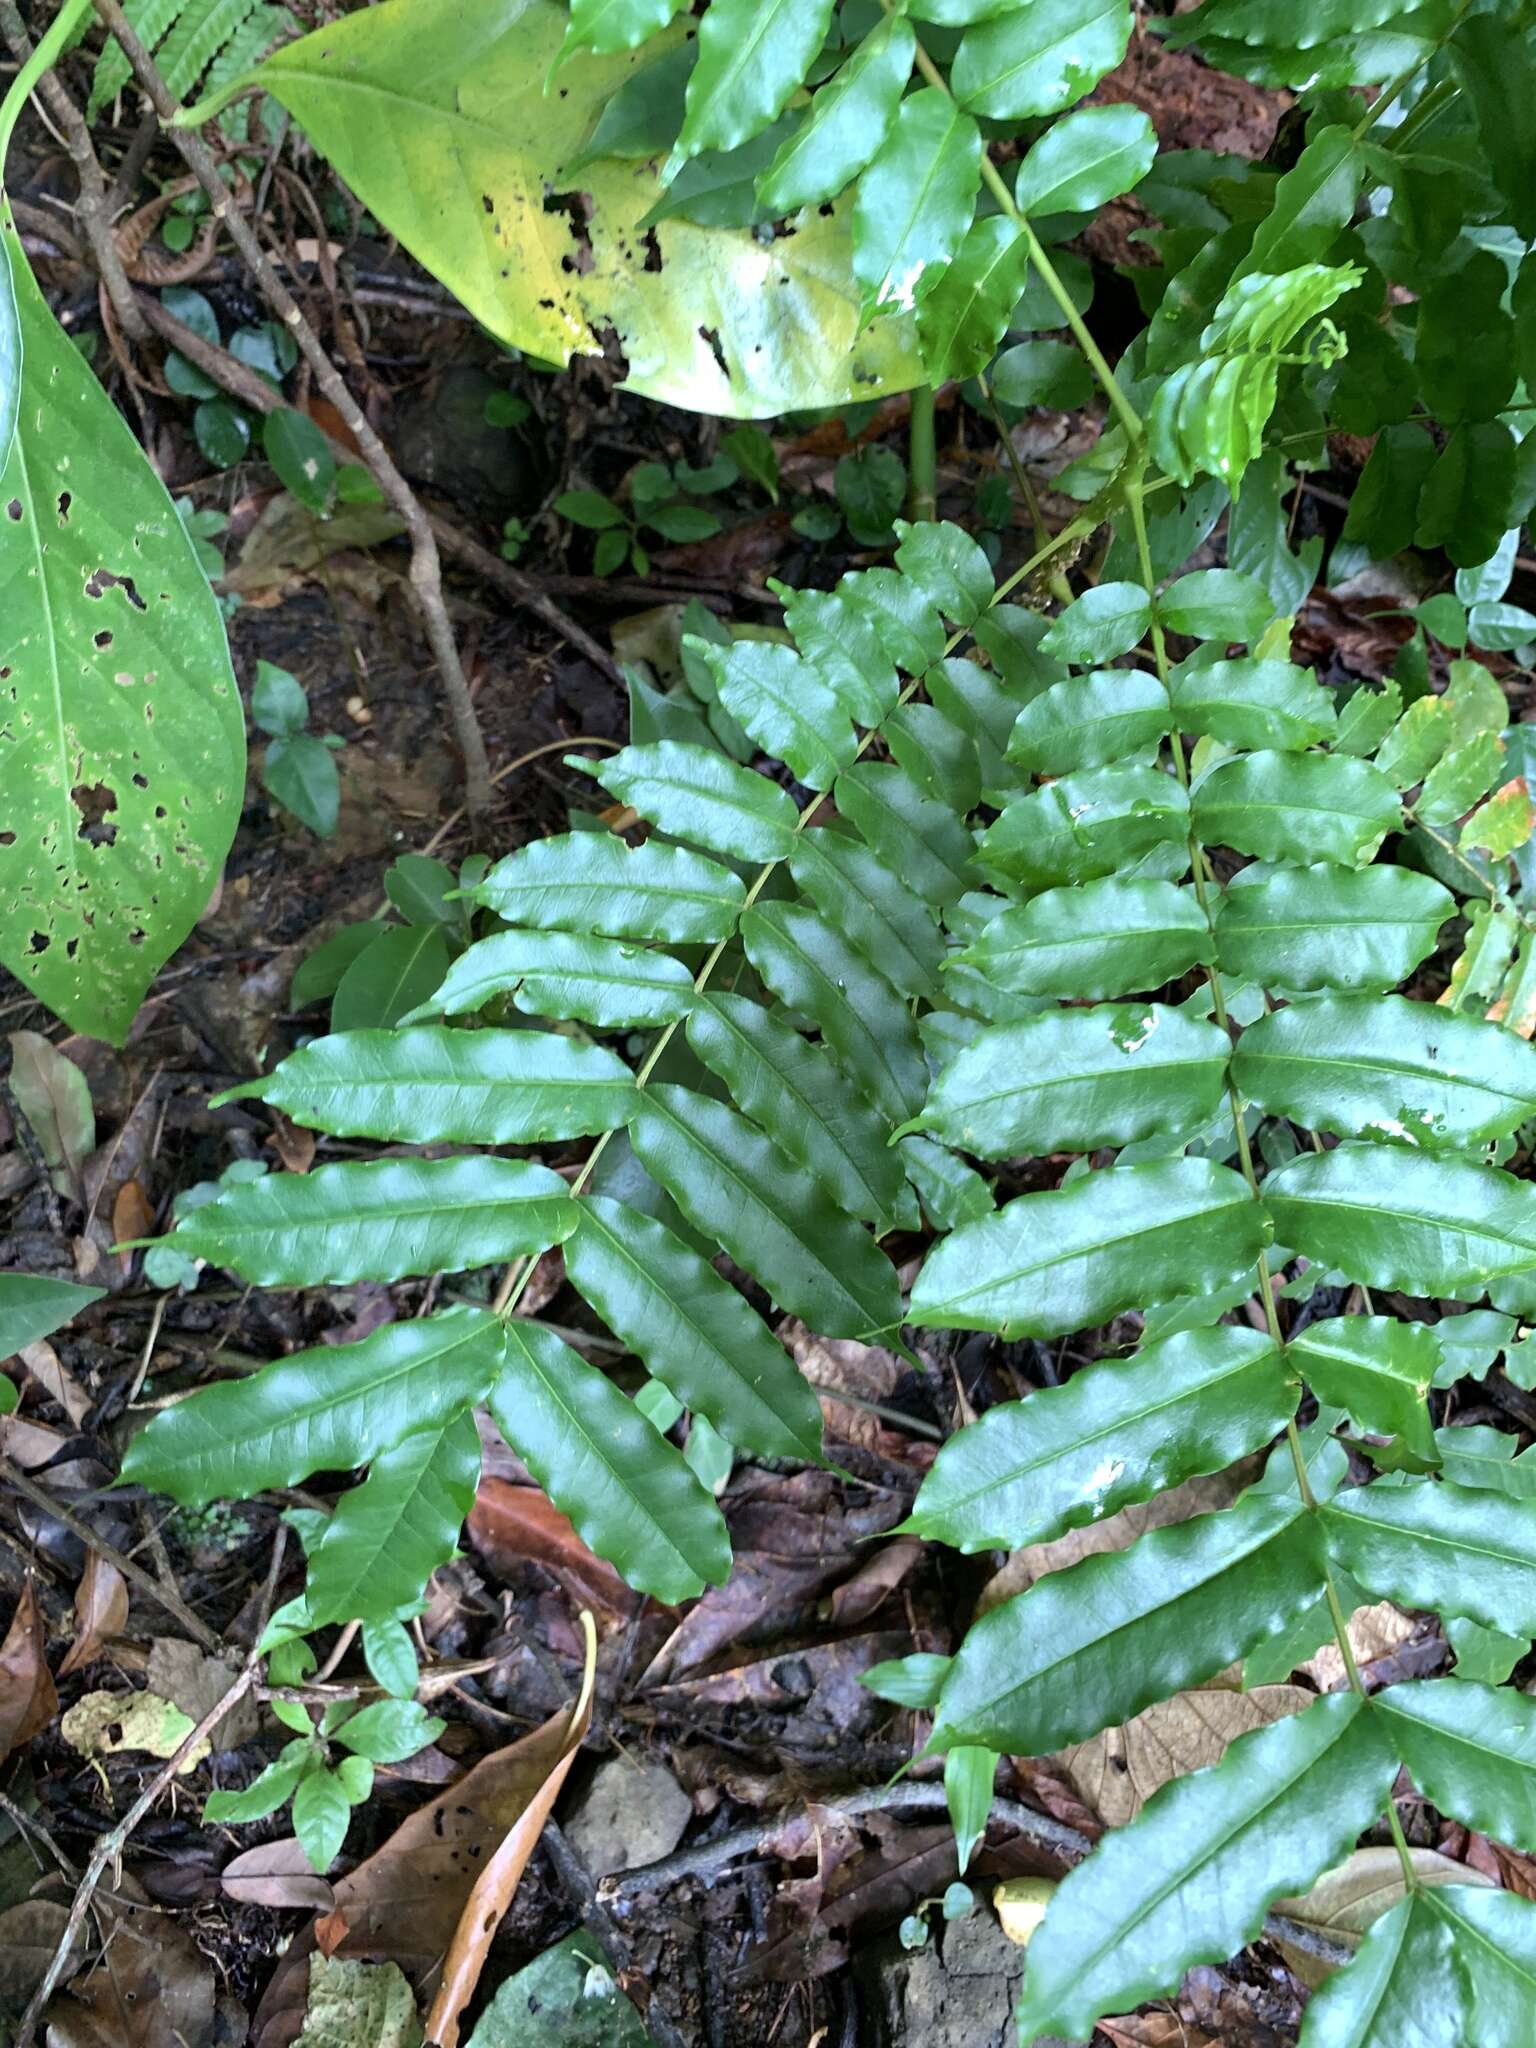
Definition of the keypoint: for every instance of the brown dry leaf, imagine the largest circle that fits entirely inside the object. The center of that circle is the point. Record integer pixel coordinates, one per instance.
(29, 1444)
(276, 1874)
(494, 1887)
(288, 542)
(295, 1148)
(101, 1612)
(839, 1365)
(1345, 1902)
(856, 1599)
(1179, 1504)
(1155, 2030)
(28, 1701)
(196, 1683)
(510, 1525)
(153, 1987)
(1118, 1771)
(132, 1213)
(55, 1098)
(56, 1380)
(1373, 1632)
(30, 1935)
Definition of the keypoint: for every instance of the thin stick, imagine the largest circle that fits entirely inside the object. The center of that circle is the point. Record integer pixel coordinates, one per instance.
(426, 568)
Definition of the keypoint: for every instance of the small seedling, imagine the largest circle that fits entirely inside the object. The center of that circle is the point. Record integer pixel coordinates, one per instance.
(300, 768)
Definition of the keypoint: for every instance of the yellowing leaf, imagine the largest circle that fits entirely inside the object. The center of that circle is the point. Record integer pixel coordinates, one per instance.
(109, 1723)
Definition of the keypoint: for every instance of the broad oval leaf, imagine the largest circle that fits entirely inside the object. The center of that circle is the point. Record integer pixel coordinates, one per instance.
(1103, 939)
(429, 1085)
(802, 1100)
(1471, 1750)
(1297, 807)
(777, 697)
(847, 122)
(120, 724)
(1188, 1881)
(1387, 1217)
(736, 1187)
(626, 1489)
(1328, 927)
(915, 201)
(1089, 720)
(1112, 1435)
(1125, 1237)
(1455, 1549)
(604, 982)
(1089, 1647)
(1040, 58)
(1071, 1080)
(1378, 1370)
(693, 1330)
(1105, 622)
(324, 1410)
(1216, 604)
(1383, 1066)
(1086, 825)
(811, 967)
(593, 882)
(387, 1536)
(698, 794)
(950, 568)
(728, 324)
(379, 1219)
(1252, 703)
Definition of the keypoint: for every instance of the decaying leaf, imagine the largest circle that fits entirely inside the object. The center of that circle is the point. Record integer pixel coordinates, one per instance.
(195, 1683)
(1021, 1905)
(1373, 1632)
(276, 1874)
(55, 1098)
(106, 1723)
(30, 1934)
(153, 1987)
(512, 1524)
(56, 1380)
(1117, 1772)
(358, 2005)
(1346, 1901)
(28, 1701)
(101, 1612)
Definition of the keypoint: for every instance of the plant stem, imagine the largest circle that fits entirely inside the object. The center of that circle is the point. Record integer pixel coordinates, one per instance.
(922, 457)
(42, 59)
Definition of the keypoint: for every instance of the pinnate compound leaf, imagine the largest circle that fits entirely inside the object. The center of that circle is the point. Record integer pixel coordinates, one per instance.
(919, 839)
(431, 1085)
(915, 201)
(1089, 1647)
(609, 25)
(777, 697)
(593, 882)
(1128, 1236)
(947, 566)
(1189, 1880)
(812, 968)
(1104, 623)
(1216, 604)
(752, 56)
(837, 636)
(1387, 1217)
(698, 794)
(1471, 1750)
(1086, 825)
(962, 320)
(387, 1536)
(604, 982)
(379, 1219)
(1089, 720)
(1378, 1370)
(848, 121)
(1112, 1435)
(1383, 1066)
(796, 1093)
(1406, 1983)
(1455, 1549)
(1039, 59)
(1329, 927)
(1071, 1080)
(627, 1490)
(1252, 703)
(1297, 807)
(693, 1330)
(324, 1410)
(118, 690)
(735, 1186)
(1103, 939)
(856, 891)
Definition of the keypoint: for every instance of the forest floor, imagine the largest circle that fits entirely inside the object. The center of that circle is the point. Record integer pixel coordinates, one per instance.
(727, 1840)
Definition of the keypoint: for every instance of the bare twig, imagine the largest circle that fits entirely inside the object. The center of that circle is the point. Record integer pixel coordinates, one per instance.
(91, 210)
(109, 1847)
(166, 1597)
(426, 569)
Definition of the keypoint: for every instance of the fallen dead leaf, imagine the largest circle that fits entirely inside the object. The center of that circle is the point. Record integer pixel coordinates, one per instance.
(358, 2005)
(30, 1935)
(839, 1365)
(493, 1889)
(295, 1148)
(512, 1525)
(276, 1874)
(1180, 1504)
(28, 1701)
(55, 1098)
(197, 1683)
(109, 1723)
(1155, 2030)
(101, 1612)
(133, 1214)
(1118, 1771)
(29, 1444)
(1021, 1905)
(153, 1987)
(1373, 1632)
(56, 1380)
(856, 1599)
(1347, 1901)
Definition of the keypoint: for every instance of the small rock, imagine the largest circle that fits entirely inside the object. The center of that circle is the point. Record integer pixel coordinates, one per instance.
(632, 1814)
